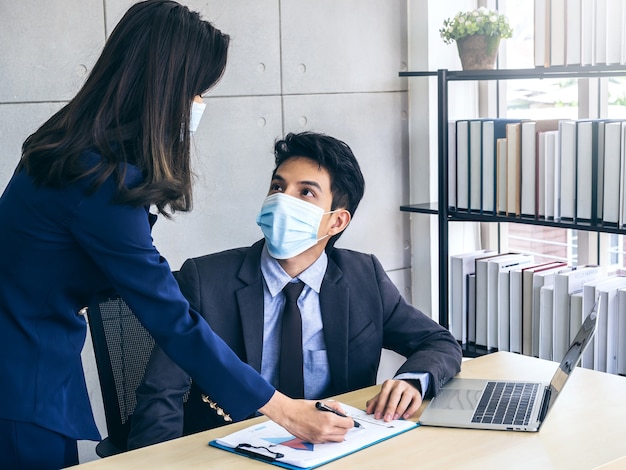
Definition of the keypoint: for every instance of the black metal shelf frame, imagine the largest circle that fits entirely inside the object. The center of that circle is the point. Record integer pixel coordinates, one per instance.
(456, 215)
(441, 209)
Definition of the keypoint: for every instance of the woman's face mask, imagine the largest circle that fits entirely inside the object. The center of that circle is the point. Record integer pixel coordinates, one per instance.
(289, 224)
(197, 109)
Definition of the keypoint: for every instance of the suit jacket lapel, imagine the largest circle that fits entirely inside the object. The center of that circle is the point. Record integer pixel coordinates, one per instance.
(250, 305)
(334, 307)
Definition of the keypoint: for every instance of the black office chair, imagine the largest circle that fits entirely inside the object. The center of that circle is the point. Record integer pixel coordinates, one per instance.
(122, 348)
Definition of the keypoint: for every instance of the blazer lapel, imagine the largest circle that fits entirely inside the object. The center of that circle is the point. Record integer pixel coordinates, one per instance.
(250, 305)
(334, 307)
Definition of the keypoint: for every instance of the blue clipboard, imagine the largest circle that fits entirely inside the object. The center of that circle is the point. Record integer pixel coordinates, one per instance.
(267, 457)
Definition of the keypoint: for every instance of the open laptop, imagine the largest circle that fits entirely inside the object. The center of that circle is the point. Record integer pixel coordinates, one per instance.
(506, 405)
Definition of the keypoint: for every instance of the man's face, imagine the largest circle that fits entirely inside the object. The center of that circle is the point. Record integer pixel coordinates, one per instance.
(302, 178)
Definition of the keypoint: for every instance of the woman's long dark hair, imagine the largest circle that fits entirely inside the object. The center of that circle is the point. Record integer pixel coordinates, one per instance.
(135, 107)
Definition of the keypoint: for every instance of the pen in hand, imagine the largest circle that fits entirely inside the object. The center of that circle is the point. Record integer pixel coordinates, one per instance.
(324, 407)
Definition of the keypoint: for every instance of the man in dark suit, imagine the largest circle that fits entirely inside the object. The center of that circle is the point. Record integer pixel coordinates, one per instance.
(349, 307)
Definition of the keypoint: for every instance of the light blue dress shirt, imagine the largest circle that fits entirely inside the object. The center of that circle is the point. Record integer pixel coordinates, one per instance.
(315, 358)
(316, 370)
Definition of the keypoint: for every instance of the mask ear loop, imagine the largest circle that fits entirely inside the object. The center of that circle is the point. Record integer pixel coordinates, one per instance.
(332, 212)
(320, 239)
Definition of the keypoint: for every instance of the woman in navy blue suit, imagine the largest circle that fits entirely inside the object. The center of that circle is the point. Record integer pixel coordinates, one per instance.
(75, 219)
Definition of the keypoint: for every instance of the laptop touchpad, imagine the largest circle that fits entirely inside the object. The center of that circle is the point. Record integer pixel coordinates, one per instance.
(455, 399)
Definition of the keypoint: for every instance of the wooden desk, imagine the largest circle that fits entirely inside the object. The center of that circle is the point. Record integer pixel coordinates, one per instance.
(585, 429)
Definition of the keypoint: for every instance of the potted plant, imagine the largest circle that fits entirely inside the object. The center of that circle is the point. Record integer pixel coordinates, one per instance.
(477, 34)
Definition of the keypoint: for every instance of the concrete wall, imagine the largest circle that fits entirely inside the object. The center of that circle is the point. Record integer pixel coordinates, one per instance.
(324, 65)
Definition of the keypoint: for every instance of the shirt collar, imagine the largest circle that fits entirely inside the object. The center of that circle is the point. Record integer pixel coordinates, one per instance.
(276, 278)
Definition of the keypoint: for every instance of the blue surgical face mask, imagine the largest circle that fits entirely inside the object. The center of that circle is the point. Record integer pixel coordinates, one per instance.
(197, 109)
(290, 225)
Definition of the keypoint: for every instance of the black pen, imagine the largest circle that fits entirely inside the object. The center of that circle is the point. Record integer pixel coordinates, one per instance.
(324, 407)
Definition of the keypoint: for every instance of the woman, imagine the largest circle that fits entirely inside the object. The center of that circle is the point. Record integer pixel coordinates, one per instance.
(74, 220)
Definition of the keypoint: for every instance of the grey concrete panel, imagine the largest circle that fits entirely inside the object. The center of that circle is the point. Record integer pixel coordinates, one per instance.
(233, 163)
(17, 122)
(253, 58)
(401, 278)
(343, 46)
(374, 126)
(47, 47)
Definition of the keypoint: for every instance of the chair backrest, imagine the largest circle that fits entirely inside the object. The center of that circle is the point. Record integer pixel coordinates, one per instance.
(122, 348)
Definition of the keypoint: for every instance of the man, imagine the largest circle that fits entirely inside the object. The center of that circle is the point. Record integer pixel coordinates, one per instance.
(349, 307)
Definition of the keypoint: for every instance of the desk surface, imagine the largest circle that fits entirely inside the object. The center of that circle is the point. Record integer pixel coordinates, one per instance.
(585, 430)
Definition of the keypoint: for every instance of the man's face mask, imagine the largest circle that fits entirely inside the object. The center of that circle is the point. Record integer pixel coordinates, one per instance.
(289, 224)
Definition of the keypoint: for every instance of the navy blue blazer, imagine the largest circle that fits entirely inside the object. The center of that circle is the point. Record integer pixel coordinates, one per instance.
(59, 247)
(362, 312)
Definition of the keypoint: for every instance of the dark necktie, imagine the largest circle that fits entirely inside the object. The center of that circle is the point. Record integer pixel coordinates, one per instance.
(291, 376)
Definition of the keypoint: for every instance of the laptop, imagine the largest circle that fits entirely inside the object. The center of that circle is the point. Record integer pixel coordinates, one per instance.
(506, 405)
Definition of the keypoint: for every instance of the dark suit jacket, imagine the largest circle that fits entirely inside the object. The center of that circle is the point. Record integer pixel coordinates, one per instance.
(362, 312)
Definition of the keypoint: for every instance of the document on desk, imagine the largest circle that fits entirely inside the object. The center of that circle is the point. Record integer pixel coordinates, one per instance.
(271, 443)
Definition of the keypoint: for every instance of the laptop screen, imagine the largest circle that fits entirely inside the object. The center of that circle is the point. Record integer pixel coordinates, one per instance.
(574, 353)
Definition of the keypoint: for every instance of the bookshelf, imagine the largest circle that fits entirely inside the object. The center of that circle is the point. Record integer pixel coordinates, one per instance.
(444, 212)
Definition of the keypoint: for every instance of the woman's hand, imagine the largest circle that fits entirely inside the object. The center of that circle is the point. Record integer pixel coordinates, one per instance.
(303, 420)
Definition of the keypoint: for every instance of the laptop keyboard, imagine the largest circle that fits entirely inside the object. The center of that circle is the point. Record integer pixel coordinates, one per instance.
(506, 403)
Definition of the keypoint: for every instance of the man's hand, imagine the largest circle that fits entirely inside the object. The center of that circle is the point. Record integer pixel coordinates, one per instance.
(303, 420)
(397, 398)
